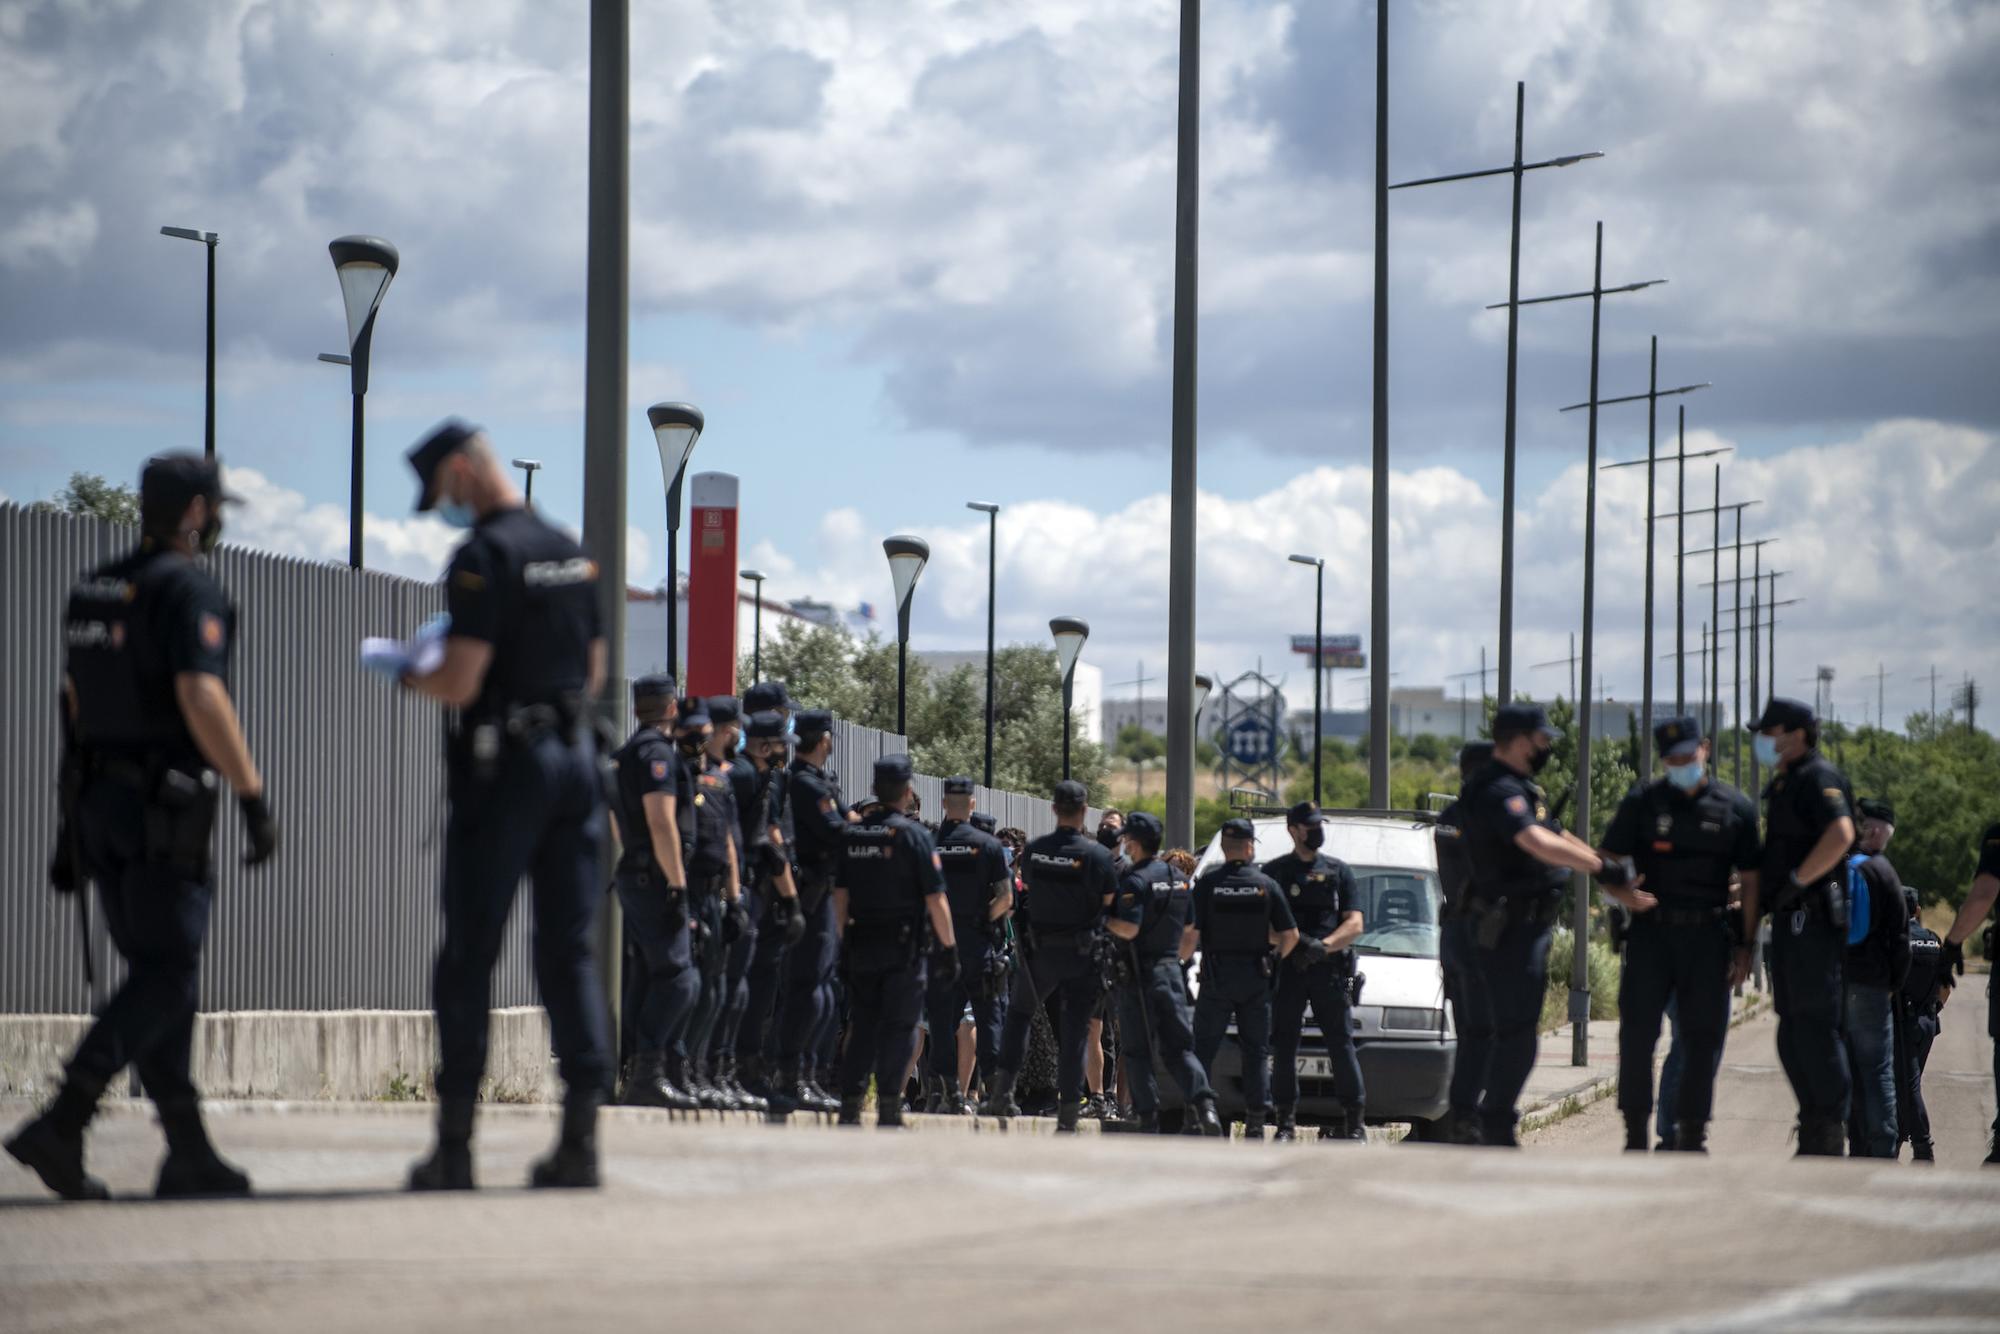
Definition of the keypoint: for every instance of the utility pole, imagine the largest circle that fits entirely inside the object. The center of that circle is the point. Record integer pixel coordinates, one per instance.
(1181, 532)
(1378, 537)
(1138, 765)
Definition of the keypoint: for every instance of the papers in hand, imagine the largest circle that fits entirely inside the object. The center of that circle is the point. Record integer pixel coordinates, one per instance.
(420, 655)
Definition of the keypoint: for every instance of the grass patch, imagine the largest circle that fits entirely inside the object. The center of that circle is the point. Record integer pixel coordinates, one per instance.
(402, 1088)
(1604, 969)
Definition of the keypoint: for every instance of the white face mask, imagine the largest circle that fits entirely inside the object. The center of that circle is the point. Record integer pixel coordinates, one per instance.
(1765, 748)
(1686, 777)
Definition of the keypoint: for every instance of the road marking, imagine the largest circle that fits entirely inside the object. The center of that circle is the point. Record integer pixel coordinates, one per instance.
(1971, 1281)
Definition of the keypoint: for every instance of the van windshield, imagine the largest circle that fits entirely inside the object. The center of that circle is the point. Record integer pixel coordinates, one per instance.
(1399, 908)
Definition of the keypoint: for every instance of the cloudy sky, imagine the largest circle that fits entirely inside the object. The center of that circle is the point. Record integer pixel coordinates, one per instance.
(910, 254)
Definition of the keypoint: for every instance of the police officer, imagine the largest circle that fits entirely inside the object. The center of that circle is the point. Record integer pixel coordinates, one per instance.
(1926, 987)
(655, 789)
(1979, 900)
(1521, 858)
(1325, 903)
(819, 825)
(1454, 864)
(524, 656)
(1240, 917)
(1069, 884)
(1809, 829)
(1686, 832)
(780, 922)
(147, 722)
(742, 930)
(888, 886)
(1153, 908)
(713, 889)
(1872, 975)
(980, 892)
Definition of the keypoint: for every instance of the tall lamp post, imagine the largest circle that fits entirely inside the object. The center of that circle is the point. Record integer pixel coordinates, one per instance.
(907, 557)
(208, 239)
(529, 467)
(1517, 169)
(756, 578)
(365, 265)
(1319, 653)
(992, 513)
(1069, 632)
(676, 430)
(1181, 527)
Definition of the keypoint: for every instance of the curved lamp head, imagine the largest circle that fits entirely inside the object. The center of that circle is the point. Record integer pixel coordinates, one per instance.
(907, 558)
(754, 576)
(1314, 561)
(983, 506)
(676, 428)
(364, 265)
(1202, 685)
(1069, 632)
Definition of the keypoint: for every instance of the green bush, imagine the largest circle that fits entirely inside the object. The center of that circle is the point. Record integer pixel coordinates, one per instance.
(1604, 968)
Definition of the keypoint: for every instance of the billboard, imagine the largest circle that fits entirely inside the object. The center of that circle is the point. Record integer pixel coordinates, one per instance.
(1337, 650)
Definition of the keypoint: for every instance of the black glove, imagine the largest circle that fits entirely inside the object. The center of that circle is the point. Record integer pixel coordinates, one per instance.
(1612, 873)
(261, 829)
(789, 917)
(735, 923)
(945, 966)
(677, 911)
(996, 932)
(1954, 957)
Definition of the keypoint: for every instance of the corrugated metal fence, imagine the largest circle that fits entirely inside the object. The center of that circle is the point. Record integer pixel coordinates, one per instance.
(346, 916)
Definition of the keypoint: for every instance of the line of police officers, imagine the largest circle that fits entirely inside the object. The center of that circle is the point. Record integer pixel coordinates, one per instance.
(743, 875)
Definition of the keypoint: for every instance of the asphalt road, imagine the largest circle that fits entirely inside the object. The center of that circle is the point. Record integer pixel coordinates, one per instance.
(708, 1226)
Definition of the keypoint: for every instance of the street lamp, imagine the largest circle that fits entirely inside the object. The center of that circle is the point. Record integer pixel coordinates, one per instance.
(992, 513)
(1516, 170)
(1181, 526)
(676, 428)
(907, 558)
(1203, 684)
(1319, 653)
(1069, 632)
(208, 239)
(365, 265)
(529, 467)
(756, 578)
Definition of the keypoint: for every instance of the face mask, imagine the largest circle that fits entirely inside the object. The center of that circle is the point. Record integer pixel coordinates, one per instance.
(690, 747)
(791, 726)
(1316, 837)
(456, 513)
(1108, 837)
(211, 533)
(1540, 760)
(1765, 748)
(729, 751)
(1686, 777)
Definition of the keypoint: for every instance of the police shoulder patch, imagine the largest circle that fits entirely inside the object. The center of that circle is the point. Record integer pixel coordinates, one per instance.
(659, 770)
(1517, 805)
(211, 630)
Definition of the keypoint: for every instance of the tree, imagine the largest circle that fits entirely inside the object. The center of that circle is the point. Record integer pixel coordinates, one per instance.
(88, 494)
(1137, 745)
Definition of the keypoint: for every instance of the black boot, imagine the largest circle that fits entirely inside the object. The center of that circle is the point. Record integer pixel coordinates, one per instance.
(809, 1096)
(1921, 1151)
(1638, 1132)
(1356, 1129)
(1000, 1098)
(826, 1102)
(646, 1085)
(752, 1102)
(192, 1166)
(1463, 1127)
(850, 1109)
(1253, 1124)
(1068, 1113)
(1147, 1123)
(450, 1165)
(954, 1101)
(572, 1164)
(1288, 1125)
(52, 1144)
(724, 1097)
(1822, 1137)
(1202, 1117)
(1691, 1137)
(888, 1115)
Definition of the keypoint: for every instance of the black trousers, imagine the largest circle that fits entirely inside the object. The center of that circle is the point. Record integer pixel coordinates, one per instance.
(1055, 968)
(1235, 987)
(1808, 992)
(1688, 965)
(1153, 1012)
(946, 1003)
(1324, 987)
(1919, 1031)
(883, 1005)
(663, 993)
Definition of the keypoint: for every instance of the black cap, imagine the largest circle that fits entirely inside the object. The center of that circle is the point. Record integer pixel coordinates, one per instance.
(813, 723)
(724, 709)
(767, 695)
(983, 821)
(1144, 826)
(1472, 756)
(450, 436)
(1513, 719)
(766, 725)
(656, 685)
(893, 769)
(1677, 737)
(1069, 792)
(693, 716)
(1789, 714)
(958, 785)
(170, 482)
(1303, 813)
(1876, 808)
(1238, 827)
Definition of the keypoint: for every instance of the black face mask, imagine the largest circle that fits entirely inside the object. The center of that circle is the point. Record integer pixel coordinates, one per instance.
(1316, 837)
(729, 751)
(1540, 760)
(1109, 837)
(690, 748)
(211, 534)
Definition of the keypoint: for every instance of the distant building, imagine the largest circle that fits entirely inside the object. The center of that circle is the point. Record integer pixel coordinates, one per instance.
(1087, 686)
(1419, 710)
(646, 627)
(1151, 714)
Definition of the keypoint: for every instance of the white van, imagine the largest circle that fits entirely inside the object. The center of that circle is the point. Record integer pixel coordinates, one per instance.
(1402, 1027)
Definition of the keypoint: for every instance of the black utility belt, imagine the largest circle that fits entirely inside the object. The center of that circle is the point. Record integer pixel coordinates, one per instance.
(884, 930)
(708, 885)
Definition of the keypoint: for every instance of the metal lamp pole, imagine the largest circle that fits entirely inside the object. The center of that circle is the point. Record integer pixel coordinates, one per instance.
(677, 428)
(529, 467)
(208, 239)
(1181, 534)
(1319, 654)
(992, 513)
(1516, 170)
(365, 265)
(907, 558)
(1378, 536)
(756, 578)
(1069, 632)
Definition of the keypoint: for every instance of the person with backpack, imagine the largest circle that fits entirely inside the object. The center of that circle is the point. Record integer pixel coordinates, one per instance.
(1878, 959)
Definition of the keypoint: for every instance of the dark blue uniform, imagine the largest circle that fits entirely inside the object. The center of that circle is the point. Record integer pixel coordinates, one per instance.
(1686, 845)
(1454, 863)
(764, 973)
(1153, 1004)
(1069, 879)
(1807, 948)
(975, 871)
(1872, 978)
(1989, 864)
(1321, 893)
(522, 778)
(746, 791)
(1510, 912)
(655, 911)
(1236, 908)
(889, 870)
(820, 829)
(1922, 999)
(708, 883)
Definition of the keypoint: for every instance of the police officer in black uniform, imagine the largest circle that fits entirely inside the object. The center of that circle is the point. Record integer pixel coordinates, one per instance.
(1686, 832)
(1926, 987)
(1979, 900)
(1454, 865)
(147, 722)
(740, 930)
(655, 789)
(781, 922)
(1521, 858)
(714, 885)
(1240, 920)
(980, 891)
(1325, 902)
(524, 657)
(1809, 830)
(1070, 883)
(1150, 914)
(819, 824)
(888, 889)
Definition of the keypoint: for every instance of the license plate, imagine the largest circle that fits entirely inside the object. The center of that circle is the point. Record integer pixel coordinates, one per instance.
(1315, 1067)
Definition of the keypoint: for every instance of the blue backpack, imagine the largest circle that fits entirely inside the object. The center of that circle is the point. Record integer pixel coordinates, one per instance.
(1859, 913)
